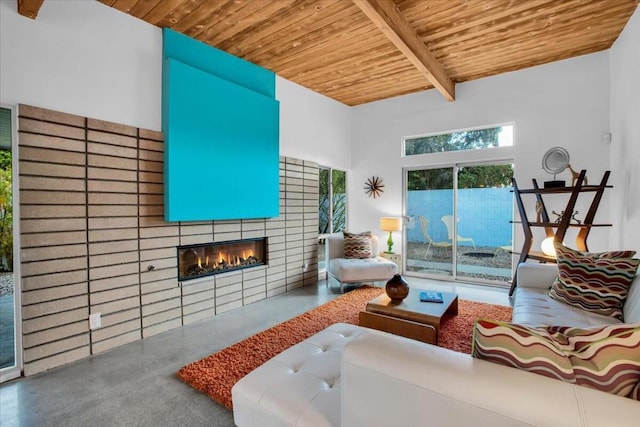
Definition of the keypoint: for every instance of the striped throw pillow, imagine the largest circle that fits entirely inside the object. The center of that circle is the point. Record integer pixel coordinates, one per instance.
(357, 245)
(607, 254)
(611, 254)
(606, 358)
(597, 284)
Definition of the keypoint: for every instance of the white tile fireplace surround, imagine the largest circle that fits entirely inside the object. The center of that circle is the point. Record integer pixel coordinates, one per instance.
(93, 240)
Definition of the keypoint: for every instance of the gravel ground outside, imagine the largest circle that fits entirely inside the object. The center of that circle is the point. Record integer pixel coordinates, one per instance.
(485, 256)
(6, 284)
(485, 260)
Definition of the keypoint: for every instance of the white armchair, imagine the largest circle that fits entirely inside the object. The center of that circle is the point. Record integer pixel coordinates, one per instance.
(347, 270)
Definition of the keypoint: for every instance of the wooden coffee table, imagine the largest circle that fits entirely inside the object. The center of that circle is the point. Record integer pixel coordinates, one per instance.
(411, 318)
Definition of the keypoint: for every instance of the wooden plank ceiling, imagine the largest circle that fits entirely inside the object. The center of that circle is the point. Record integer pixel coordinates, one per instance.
(334, 48)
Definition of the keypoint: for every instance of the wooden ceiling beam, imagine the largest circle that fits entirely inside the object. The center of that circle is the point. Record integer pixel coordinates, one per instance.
(386, 16)
(29, 8)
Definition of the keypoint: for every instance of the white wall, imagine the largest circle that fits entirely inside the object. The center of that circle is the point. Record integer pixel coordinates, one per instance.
(625, 141)
(82, 58)
(313, 127)
(85, 58)
(564, 103)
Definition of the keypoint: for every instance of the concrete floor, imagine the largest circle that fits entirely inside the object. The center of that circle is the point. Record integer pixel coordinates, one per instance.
(135, 385)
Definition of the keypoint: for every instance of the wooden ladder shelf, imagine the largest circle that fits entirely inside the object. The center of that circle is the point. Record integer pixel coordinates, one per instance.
(565, 222)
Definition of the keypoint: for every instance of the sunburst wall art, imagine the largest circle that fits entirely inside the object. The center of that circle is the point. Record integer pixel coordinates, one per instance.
(373, 187)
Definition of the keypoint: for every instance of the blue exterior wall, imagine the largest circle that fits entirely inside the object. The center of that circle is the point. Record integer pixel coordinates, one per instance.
(221, 128)
(484, 215)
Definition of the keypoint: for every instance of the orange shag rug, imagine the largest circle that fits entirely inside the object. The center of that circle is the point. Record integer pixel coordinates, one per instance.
(216, 374)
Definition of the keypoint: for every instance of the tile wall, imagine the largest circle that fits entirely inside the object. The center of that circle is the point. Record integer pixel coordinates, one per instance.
(93, 240)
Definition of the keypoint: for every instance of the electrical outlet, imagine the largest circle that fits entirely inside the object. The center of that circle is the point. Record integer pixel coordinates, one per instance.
(305, 267)
(95, 320)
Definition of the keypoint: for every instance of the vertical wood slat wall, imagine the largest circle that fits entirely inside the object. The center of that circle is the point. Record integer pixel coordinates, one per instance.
(93, 240)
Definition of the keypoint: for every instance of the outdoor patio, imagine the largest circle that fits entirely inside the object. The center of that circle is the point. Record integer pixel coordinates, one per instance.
(482, 262)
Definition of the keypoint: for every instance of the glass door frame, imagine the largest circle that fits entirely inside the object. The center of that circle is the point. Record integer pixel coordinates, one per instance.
(322, 271)
(15, 371)
(455, 165)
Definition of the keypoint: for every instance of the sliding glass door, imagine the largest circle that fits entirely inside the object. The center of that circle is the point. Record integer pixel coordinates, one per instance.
(429, 197)
(458, 222)
(332, 207)
(10, 349)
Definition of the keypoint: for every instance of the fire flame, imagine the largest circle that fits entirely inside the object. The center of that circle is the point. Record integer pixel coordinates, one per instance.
(199, 262)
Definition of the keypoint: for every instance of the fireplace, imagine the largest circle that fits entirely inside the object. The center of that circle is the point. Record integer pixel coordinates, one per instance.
(215, 258)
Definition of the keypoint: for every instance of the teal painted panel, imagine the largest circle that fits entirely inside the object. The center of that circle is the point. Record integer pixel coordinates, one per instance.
(219, 63)
(221, 148)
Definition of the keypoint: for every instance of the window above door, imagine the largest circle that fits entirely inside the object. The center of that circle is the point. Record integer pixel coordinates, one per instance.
(461, 140)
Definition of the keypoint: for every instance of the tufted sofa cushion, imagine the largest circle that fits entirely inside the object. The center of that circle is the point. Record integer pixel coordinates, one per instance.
(300, 386)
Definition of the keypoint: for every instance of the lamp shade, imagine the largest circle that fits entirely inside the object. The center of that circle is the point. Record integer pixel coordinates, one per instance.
(547, 247)
(388, 223)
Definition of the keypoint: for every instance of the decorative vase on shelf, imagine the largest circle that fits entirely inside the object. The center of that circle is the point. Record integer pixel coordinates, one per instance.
(397, 288)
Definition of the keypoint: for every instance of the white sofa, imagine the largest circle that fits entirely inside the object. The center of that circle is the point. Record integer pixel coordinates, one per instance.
(353, 376)
(533, 306)
(348, 270)
(391, 381)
